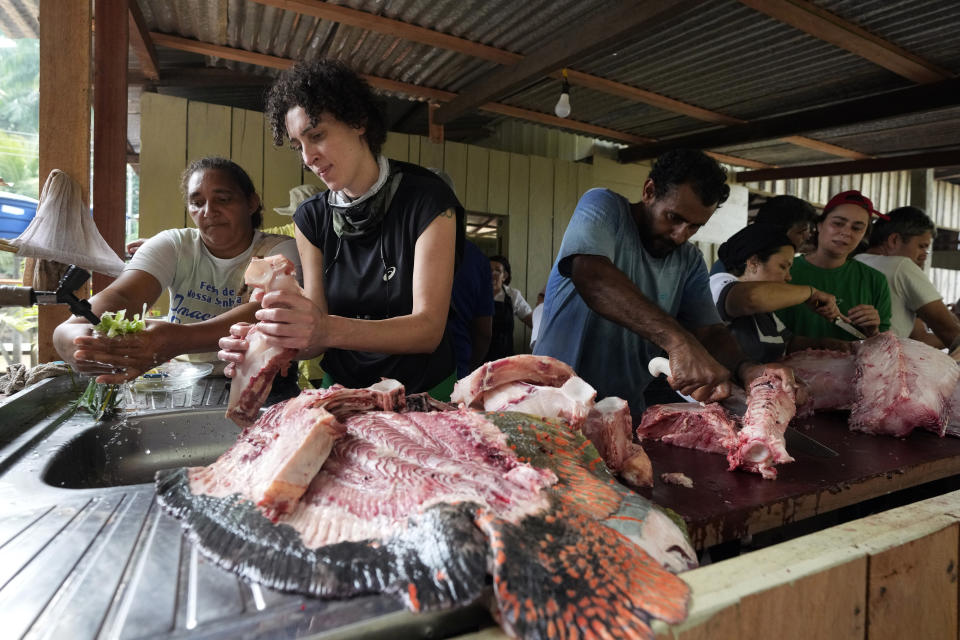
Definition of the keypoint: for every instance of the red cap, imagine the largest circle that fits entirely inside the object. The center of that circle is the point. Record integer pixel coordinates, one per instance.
(853, 197)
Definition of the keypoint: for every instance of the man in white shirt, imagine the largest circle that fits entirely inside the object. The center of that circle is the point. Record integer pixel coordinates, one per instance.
(898, 249)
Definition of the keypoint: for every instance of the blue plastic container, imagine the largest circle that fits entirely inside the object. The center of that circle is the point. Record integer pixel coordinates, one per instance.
(16, 212)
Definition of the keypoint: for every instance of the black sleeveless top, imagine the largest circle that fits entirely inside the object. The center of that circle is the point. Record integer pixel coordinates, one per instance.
(371, 277)
(501, 339)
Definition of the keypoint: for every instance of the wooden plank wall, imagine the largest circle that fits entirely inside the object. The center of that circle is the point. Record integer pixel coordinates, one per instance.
(536, 195)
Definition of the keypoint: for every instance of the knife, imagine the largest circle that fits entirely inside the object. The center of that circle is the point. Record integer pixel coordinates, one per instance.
(849, 328)
(736, 404)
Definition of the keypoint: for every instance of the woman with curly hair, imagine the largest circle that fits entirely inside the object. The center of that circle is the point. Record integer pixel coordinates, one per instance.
(378, 248)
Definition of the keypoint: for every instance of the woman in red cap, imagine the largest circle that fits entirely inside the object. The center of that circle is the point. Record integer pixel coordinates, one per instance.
(861, 292)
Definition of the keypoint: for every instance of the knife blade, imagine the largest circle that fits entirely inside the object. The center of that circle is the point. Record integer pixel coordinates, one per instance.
(849, 328)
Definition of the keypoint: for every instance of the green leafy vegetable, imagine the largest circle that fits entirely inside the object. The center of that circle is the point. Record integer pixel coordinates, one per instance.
(100, 399)
(103, 399)
(114, 324)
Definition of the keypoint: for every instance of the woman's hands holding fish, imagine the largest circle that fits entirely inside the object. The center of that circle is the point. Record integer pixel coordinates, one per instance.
(234, 346)
(293, 321)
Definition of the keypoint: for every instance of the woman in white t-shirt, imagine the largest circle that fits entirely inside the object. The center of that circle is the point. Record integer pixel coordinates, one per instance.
(507, 303)
(201, 268)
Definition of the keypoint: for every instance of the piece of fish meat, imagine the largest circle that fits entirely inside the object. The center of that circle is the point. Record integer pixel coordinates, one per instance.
(689, 425)
(902, 384)
(427, 505)
(539, 370)
(274, 460)
(570, 401)
(609, 426)
(677, 478)
(253, 378)
(760, 442)
(829, 376)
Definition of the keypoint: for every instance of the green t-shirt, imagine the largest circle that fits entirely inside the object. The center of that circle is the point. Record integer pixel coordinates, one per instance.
(854, 283)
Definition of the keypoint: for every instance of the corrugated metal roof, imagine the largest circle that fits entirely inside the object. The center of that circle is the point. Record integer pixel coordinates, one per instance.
(720, 55)
(18, 18)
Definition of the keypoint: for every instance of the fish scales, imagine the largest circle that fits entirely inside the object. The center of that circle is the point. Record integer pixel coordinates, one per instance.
(592, 553)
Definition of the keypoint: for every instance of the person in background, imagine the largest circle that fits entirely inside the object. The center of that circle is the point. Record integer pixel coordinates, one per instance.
(862, 294)
(379, 249)
(507, 303)
(537, 317)
(791, 215)
(202, 268)
(898, 249)
(471, 324)
(756, 285)
(627, 286)
(298, 194)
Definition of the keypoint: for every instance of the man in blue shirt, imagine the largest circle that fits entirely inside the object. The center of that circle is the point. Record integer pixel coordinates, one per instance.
(471, 323)
(627, 286)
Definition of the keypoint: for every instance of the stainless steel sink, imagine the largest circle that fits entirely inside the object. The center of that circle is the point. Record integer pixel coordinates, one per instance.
(85, 552)
(120, 453)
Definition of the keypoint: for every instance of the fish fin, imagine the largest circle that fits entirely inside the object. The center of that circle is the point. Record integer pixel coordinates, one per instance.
(564, 569)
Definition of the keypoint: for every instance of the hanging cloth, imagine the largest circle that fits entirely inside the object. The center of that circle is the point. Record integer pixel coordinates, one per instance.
(64, 231)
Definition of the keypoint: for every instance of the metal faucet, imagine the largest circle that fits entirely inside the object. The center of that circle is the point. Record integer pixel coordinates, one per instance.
(16, 296)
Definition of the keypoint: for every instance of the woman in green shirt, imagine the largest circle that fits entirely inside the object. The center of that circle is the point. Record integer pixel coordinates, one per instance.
(861, 292)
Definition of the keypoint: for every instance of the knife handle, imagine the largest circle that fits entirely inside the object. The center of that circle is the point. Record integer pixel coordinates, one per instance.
(658, 365)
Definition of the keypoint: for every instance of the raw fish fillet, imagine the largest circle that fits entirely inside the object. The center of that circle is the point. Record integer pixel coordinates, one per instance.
(829, 376)
(254, 376)
(760, 442)
(902, 384)
(570, 401)
(274, 460)
(609, 426)
(541, 370)
(689, 425)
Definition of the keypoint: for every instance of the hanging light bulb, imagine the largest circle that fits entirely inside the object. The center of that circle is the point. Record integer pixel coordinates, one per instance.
(563, 104)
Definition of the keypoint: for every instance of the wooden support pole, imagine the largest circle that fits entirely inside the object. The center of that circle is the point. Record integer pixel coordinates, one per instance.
(435, 129)
(110, 126)
(65, 55)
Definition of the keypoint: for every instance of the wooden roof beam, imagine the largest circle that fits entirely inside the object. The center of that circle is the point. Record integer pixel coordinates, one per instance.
(893, 163)
(141, 43)
(826, 26)
(422, 35)
(389, 26)
(915, 99)
(416, 91)
(604, 29)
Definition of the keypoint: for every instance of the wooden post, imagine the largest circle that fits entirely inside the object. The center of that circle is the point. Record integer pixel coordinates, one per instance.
(110, 126)
(64, 117)
(435, 129)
